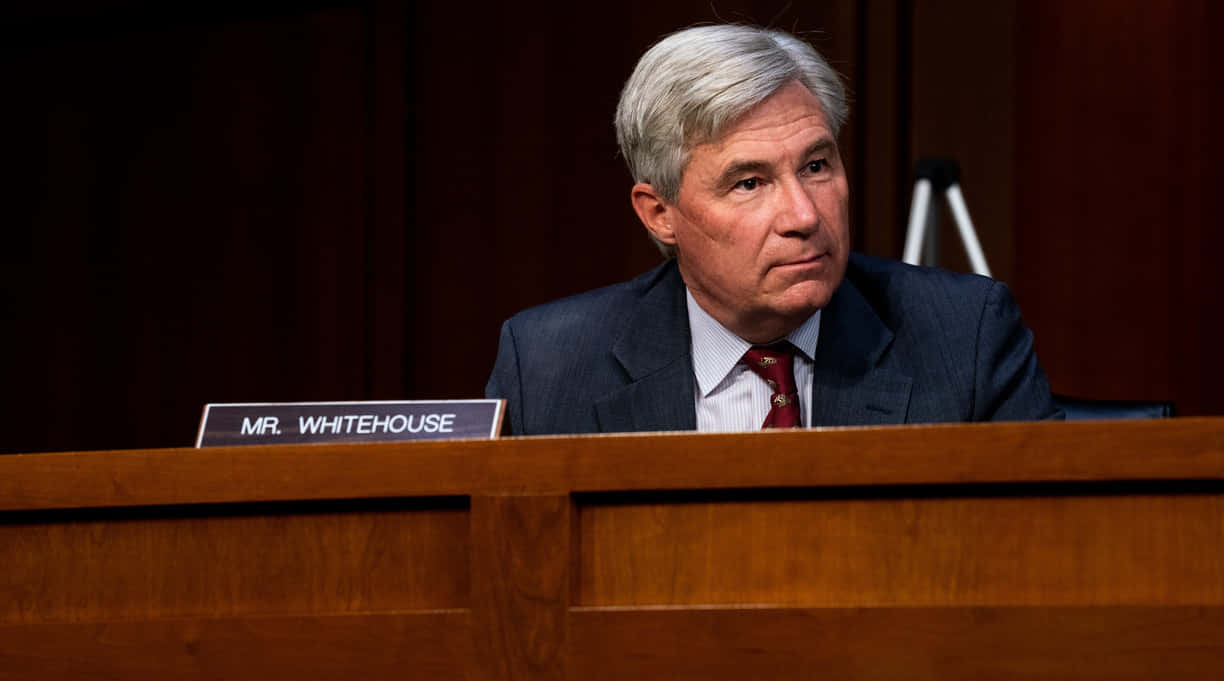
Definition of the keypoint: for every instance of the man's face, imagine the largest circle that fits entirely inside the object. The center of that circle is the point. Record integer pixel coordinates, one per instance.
(760, 223)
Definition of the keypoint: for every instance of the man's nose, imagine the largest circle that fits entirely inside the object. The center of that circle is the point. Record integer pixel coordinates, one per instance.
(797, 213)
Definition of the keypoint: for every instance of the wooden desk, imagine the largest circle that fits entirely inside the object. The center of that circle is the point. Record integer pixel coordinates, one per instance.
(1019, 551)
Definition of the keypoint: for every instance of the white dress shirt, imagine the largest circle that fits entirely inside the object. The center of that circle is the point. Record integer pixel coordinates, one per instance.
(729, 396)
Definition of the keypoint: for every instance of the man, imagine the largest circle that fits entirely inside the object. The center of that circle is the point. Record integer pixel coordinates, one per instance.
(760, 316)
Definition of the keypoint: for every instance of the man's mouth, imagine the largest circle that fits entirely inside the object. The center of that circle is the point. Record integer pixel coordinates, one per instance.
(806, 261)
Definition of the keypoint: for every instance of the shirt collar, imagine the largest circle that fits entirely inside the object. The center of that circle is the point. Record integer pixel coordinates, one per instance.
(716, 350)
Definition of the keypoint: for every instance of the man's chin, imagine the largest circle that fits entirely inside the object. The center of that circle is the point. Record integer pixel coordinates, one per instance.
(789, 312)
(804, 298)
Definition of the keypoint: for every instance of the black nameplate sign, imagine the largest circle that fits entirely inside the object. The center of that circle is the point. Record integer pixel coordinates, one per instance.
(308, 422)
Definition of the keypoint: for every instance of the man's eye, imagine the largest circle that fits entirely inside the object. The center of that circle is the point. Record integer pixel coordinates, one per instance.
(817, 166)
(748, 183)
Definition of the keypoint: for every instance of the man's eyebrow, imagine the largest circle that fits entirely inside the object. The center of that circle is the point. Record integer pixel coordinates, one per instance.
(733, 172)
(737, 169)
(821, 145)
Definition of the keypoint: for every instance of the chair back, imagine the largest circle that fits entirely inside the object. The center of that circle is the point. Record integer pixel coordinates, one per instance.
(1078, 409)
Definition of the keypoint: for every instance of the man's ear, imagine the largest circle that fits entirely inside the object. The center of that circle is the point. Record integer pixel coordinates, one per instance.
(654, 212)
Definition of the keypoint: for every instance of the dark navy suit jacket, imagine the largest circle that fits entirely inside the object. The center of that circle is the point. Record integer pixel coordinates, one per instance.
(898, 344)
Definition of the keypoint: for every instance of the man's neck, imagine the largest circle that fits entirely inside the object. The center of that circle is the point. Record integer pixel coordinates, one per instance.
(756, 329)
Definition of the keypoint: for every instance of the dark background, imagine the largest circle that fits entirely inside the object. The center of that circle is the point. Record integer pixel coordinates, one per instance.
(336, 201)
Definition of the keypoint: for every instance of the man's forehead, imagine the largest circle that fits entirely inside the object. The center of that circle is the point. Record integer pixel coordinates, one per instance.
(803, 143)
(791, 112)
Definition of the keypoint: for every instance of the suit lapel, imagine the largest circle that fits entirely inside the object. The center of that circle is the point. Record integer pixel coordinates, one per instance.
(654, 350)
(853, 383)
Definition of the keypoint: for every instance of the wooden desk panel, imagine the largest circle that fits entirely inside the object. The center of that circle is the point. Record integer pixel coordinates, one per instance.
(429, 645)
(1019, 551)
(1078, 549)
(153, 563)
(983, 453)
(902, 644)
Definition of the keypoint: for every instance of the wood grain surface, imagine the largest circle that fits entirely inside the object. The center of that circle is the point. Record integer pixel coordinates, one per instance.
(432, 645)
(1079, 549)
(1013, 551)
(521, 565)
(948, 644)
(83, 568)
(962, 453)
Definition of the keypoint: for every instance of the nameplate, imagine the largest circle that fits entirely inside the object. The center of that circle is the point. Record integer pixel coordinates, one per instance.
(284, 423)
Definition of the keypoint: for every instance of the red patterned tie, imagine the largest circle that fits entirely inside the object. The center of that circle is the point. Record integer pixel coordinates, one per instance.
(774, 365)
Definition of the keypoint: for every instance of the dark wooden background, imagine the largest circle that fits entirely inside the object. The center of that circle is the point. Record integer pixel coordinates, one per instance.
(272, 201)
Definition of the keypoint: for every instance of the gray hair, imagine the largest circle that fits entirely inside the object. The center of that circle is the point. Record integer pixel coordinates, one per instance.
(691, 85)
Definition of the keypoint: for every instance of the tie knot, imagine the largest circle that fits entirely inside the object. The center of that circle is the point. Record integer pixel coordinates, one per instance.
(774, 364)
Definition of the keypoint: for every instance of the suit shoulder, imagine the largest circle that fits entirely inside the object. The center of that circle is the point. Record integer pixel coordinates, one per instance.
(598, 307)
(898, 291)
(876, 272)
